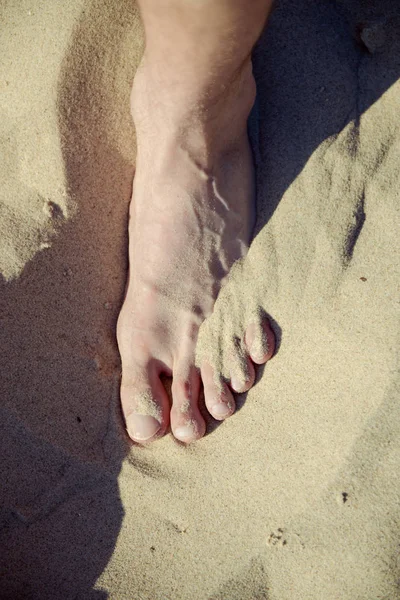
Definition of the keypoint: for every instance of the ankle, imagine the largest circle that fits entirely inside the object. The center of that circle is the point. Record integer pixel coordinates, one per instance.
(216, 108)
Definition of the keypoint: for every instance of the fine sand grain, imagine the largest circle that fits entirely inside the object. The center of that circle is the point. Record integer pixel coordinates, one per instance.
(294, 497)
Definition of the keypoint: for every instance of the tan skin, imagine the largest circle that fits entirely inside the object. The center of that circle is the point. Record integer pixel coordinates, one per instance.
(191, 211)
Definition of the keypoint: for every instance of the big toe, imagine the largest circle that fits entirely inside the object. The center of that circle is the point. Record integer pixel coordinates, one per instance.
(145, 406)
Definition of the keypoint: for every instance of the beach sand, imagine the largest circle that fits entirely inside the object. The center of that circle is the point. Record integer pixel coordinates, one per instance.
(297, 495)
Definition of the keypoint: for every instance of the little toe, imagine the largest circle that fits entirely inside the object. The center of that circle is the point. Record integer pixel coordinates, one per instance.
(260, 342)
(145, 406)
(187, 424)
(218, 398)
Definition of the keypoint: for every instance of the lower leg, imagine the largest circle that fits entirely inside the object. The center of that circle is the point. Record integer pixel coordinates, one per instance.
(198, 61)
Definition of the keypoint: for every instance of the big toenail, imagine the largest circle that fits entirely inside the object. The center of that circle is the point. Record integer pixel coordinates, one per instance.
(142, 427)
(220, 410)
(184, 433)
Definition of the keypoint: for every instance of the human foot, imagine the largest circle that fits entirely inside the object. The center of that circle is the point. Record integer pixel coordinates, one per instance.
(191, 217)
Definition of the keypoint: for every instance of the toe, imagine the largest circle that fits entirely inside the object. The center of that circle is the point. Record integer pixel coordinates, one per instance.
(145, 405)
(242, 374)
(187, 424)
(218, 398)
(260, 341)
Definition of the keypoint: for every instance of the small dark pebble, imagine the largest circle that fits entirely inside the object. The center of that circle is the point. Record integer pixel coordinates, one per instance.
(363, 278)
(79, 419)
(152, 548)
(371, 36)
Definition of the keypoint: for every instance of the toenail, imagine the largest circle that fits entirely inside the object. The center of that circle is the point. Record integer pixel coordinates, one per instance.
(142, 427)
(237, 385)
(259, 348)
(221, 410)
(183, 432)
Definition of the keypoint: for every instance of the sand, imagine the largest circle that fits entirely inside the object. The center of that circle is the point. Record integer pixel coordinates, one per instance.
(294, 497)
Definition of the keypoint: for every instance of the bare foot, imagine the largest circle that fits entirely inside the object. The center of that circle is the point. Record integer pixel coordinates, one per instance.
(191, 217)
